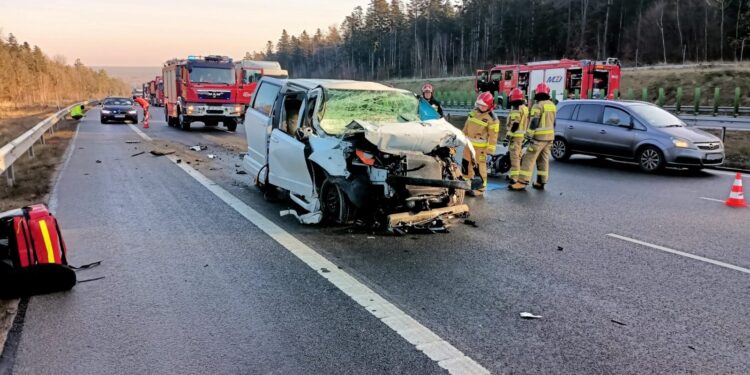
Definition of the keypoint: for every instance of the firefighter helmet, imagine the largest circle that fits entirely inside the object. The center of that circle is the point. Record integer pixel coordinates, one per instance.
(542, 88)
(486, 99)
(427, 87)
(516, 94)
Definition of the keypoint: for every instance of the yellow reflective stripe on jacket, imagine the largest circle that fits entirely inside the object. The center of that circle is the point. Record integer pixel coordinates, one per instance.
(476, 121)
(516, 135)
(542, 173)
(543, 131)
(535, 111)
(524, 173)
(495, 127)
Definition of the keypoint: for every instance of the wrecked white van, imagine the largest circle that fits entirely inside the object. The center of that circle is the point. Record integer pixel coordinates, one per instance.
(348, 151)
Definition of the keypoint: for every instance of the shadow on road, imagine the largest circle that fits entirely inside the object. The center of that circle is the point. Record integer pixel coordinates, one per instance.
(615, 165)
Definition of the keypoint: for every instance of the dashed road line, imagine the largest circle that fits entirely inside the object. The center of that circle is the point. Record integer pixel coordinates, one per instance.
(711, 199)
(681, 253)
(446, 355)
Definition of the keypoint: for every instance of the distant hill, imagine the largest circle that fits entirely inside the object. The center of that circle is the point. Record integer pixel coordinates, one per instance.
(134, 76)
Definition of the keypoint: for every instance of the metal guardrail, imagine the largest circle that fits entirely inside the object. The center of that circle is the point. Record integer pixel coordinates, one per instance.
(25, 142)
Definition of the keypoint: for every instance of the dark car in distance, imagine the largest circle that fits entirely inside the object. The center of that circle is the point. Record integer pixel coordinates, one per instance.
(118, 109)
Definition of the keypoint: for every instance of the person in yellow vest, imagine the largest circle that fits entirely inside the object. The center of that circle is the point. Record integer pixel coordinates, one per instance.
(481, 127)
(518, 122)
(542, 133)
(77, 112)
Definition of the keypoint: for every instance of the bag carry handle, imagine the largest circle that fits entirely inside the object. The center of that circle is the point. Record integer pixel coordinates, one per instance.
(64, 251)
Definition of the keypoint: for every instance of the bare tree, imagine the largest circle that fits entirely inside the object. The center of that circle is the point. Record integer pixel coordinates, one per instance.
(679, 29)
(584, 14)
(606, 23)
(660, 24)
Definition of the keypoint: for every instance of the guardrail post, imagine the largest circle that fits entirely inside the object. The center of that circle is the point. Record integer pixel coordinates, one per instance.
(631, 94)
(716, 101)
(467, 95)
(617, 94)
(737, 97)
(660, 100)
(31, 151)
(505, 100)
(697, 100)
(723, 134)
(678, 100)
(565, 94)
(10, 175)
(577, 94)
(589, 94)
(644, 94)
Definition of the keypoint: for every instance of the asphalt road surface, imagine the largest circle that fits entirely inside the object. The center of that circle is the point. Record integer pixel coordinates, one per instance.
(630, 273)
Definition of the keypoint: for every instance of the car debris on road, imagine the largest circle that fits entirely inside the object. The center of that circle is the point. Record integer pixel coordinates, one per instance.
(527, 315)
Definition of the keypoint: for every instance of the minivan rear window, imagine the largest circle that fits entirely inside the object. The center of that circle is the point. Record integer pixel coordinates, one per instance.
(565, 112)
(589, 113)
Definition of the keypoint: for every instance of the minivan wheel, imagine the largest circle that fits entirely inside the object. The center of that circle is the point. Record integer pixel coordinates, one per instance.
(335, 205)
(650, 159)
(560, 150)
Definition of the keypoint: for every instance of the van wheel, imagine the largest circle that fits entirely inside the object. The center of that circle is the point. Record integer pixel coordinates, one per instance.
(650, 159)
(335, 205)
(560, 149)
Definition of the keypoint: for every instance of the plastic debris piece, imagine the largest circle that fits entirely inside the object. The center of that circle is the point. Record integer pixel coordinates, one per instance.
(199, 148)
(138, 153)
(211, 156)
(161, 153)
(132, 142)
(179, 161)
(618, 322)
(241, 172)
(527, 315)
(559, 248)
(98, 162)
(325, 270)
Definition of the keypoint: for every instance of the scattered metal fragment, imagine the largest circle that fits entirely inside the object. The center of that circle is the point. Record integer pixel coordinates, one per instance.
(618, 322)
(199, 148)
(161, 153)
(559, 248)
(98, 162)
(527, 315)
(211, 156)
(471, 223)
(325, 270)
(132, 142)
(179, 161)
(241, 172)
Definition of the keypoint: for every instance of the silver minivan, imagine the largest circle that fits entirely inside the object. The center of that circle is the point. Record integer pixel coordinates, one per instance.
(632, 131)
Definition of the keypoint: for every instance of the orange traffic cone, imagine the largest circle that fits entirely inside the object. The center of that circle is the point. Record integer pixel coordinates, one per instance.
(736, 196)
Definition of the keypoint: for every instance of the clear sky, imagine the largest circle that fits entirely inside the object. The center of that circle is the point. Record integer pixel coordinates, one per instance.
(146, 33)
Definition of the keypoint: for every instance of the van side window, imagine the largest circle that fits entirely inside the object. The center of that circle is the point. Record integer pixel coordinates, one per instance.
(265, 97)
(615, 116)
(589, 113)
(566, 112)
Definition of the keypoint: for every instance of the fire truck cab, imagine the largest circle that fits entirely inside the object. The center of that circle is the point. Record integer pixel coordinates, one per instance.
(601, 78)
(201, 89)
(249, 73)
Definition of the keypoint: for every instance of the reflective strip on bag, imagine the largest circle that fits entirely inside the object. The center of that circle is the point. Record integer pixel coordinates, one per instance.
(47, 241)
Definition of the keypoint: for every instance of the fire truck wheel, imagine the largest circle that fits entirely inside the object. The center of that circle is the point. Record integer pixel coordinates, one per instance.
(182, 121)
(231, 125)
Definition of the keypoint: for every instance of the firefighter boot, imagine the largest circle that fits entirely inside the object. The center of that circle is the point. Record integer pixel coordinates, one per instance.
(518, 186)
(539, 184)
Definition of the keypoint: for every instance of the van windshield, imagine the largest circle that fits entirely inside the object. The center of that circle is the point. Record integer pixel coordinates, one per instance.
(344, 106)
(655, 116)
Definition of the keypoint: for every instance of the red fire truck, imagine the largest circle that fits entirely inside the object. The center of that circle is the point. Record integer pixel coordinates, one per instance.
(249, 73)
(159, 93)
(201, 89)
(601, 78)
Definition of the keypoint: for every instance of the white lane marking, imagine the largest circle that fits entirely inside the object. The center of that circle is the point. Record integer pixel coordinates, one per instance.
(711, 199)
(446, 355)
(140, 133)
(726, 173)
(52, 204)
(684, 254)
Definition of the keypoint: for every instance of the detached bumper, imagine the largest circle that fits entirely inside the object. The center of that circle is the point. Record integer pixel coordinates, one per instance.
(410, 219)
(448, 184)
